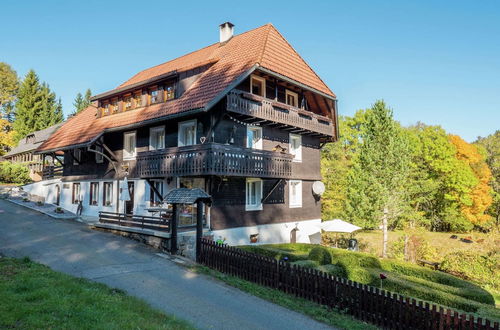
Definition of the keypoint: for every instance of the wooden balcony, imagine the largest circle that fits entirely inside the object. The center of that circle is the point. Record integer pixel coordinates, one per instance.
(51, 172)
(212, 159)
(259, 107)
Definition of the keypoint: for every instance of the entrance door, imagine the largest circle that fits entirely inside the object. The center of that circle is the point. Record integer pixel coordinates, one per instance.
(129, 205)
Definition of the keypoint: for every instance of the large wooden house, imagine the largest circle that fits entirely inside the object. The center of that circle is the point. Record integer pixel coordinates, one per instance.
(244, 119)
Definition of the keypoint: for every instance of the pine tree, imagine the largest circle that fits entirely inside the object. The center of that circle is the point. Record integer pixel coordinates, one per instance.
(81, 102)
(29, 104)
(36, 108)
(376, 183)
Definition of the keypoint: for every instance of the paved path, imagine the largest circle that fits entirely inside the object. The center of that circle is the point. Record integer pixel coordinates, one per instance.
(72, 248)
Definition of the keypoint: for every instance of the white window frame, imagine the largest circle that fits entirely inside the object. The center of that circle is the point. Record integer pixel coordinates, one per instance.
(110, 185)
(262, 80)
(297, 153)
(155, 130)
(94, 195)
(76, 194)
(257, 206)
(126, 154)
(98, 157)
(295, 200)
(295, 96)
(183, 125)
(77, 154)
(258, 144)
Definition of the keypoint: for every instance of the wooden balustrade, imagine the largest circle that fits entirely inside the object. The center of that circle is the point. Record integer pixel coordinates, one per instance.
(259, 107)
(51, 172)
(212, 159)
(136, 221)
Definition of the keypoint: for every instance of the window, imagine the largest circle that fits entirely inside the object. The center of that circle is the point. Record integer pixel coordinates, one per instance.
(77, 155)
(94, 193)
(128, 102)
(129, 145)
(258, 86)
(105, 110)
(169, 93)
(98, 157)
(154, 200)
(292, 98)
(187, 133)
(253, 195)
(138, 100)
(296, 147)
(107, 196)
(114, 106)
(157, 138)
(76, 193)
(295, 193)
(154, 97)
(254, 137)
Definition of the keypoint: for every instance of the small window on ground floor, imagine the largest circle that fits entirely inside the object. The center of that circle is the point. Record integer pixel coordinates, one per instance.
(76, 193)
(253, 195)
(107, 196)
(94, 193)
(295, 193)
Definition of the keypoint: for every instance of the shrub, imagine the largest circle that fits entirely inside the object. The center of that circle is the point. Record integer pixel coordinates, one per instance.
(273, 253)
(306, 263)
(321, 255)
(14, 173)
(474, 266)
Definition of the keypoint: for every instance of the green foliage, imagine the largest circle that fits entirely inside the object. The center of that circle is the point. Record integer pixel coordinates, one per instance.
(380, 171)
(306, 263)
(483, 268)
(321, 255)
(274, 253)
(36, 107)
(9, 84)
(14, 173)
(82, 101)
(32, 296)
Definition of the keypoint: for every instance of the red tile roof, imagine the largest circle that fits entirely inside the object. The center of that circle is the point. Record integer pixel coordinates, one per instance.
(263, 46)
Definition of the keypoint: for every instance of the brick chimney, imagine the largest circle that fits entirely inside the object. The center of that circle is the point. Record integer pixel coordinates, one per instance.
(225, 32)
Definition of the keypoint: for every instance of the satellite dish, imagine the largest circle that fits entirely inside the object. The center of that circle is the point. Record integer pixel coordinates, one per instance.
(318, 188)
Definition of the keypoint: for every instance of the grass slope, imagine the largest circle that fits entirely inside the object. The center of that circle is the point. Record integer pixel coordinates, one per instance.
(402, 277)
(32, 296)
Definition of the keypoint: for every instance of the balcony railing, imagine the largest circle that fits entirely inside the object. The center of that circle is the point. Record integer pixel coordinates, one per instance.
(52, 172)
(259, 107)
(212, 159)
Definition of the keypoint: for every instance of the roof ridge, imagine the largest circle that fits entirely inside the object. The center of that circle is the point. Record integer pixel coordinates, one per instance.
(301, 58)
(269, 25)
(192, 52)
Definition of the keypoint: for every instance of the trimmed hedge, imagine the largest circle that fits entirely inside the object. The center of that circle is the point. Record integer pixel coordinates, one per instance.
(321, 255)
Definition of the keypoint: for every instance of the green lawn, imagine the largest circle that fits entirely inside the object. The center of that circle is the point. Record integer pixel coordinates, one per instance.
(32, 296)
(318, 312)
(402, 277)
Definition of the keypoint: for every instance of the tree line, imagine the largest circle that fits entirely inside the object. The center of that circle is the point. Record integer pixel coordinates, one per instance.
(383, 175)
(28, 105)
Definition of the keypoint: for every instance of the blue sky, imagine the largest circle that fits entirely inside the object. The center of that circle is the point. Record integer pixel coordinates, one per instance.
(432, 61)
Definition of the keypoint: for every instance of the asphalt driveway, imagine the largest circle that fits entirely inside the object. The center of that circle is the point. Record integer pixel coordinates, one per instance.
(72, 248)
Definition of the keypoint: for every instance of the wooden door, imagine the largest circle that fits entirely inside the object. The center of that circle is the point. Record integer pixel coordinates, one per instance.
(129, 205)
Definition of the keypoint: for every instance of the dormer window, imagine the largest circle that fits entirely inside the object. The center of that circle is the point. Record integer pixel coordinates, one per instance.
(169, 92)
(292, 98)
(128, 102)
(30, 138)
(138, 100)
(154, 96)
(258, 86)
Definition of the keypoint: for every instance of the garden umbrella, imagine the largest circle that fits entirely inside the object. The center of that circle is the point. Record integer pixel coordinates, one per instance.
(338, 226)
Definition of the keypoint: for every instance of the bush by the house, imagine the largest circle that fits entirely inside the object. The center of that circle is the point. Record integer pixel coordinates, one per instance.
(14, 173)
(321, 255)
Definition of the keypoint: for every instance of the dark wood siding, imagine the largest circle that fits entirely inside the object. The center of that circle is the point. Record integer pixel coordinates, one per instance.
(228, 209)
